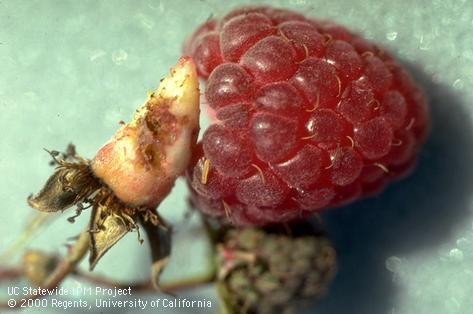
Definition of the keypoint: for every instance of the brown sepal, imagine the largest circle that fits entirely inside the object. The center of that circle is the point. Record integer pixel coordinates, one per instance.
(57, 194)
(106, 229)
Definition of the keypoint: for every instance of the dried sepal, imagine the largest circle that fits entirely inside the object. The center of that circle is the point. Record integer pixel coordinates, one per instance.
(106, 229)
(55, 195)
(159, 239)
(70, 184)
(110, 221)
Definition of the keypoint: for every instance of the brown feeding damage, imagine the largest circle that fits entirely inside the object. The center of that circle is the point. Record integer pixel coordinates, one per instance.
(130, 175)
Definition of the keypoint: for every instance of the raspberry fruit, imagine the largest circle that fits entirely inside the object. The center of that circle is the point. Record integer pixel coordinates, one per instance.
(265, 270)
(310, 116)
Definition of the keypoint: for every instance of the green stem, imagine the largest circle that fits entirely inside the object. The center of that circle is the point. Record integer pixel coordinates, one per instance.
(80, 248)
(66, 266)
(142, 286)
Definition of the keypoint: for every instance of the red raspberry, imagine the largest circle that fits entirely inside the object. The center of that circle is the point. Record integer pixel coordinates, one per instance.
(310, 116)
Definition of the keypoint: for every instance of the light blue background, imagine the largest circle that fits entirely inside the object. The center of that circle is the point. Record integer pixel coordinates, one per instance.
(70, 70)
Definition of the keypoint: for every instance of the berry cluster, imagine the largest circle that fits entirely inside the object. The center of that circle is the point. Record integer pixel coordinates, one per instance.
(266, 270)
(309, 116)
